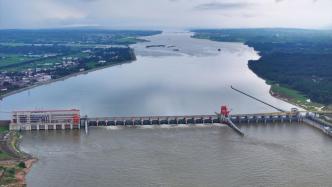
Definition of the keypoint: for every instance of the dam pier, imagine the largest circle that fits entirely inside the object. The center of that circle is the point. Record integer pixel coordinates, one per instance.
(71, 119)
(260, 118)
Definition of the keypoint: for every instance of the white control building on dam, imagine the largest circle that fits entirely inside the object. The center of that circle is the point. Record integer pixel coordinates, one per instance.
(45, 120)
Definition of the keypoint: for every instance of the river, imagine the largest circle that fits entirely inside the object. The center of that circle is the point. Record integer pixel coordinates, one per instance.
(194, 80)
(274, 155)
(186, 76)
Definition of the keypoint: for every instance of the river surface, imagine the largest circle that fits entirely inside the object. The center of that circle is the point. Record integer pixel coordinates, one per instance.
(187, 76)
(272, 155)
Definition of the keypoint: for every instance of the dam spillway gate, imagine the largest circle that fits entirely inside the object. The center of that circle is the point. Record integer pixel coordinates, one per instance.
(264, 118)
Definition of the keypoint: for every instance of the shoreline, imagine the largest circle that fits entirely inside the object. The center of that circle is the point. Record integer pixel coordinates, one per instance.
(11, 140)
(288, 99)
(60, 79)
(275, 95)
(15, 167)
(21, 175)
(285, 99)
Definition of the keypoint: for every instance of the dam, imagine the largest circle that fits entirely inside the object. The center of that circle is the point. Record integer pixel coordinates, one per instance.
(192, 119)
(71, 119)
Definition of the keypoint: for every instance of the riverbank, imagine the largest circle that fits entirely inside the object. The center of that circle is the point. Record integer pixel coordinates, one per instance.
(61, 79)
(14, 164)
(294, 97)
(292, 58)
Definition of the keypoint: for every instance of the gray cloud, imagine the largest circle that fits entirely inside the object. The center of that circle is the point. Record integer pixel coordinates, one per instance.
(222, 6)
(278, 1)
(168, 14)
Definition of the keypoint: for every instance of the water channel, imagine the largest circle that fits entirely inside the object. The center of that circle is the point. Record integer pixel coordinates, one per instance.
(184, 76)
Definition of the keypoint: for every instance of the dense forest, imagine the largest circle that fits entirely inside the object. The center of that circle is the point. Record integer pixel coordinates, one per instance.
(295, 58)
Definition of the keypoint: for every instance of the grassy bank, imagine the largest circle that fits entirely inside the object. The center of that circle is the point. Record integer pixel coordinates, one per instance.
(14, 164)
(294, 97)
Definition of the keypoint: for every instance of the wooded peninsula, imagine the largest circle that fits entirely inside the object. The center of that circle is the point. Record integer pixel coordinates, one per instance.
(296, 62)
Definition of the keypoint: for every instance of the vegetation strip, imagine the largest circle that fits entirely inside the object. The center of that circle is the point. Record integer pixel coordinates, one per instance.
(296, 62)
(14, 164)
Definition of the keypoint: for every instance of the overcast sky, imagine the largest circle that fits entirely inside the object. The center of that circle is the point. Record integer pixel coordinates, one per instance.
(173, 14)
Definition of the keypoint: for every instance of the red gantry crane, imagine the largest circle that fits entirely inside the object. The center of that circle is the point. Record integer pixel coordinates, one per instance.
(224, 118)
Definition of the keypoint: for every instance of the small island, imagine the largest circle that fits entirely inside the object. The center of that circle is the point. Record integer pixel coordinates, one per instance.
(157, 46)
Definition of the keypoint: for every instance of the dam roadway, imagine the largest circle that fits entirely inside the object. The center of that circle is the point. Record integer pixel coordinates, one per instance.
(71, 119)
(192, 119)
(232, 121)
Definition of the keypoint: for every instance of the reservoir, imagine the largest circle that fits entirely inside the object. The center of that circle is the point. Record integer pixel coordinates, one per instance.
(187, 76)
(176, 75)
